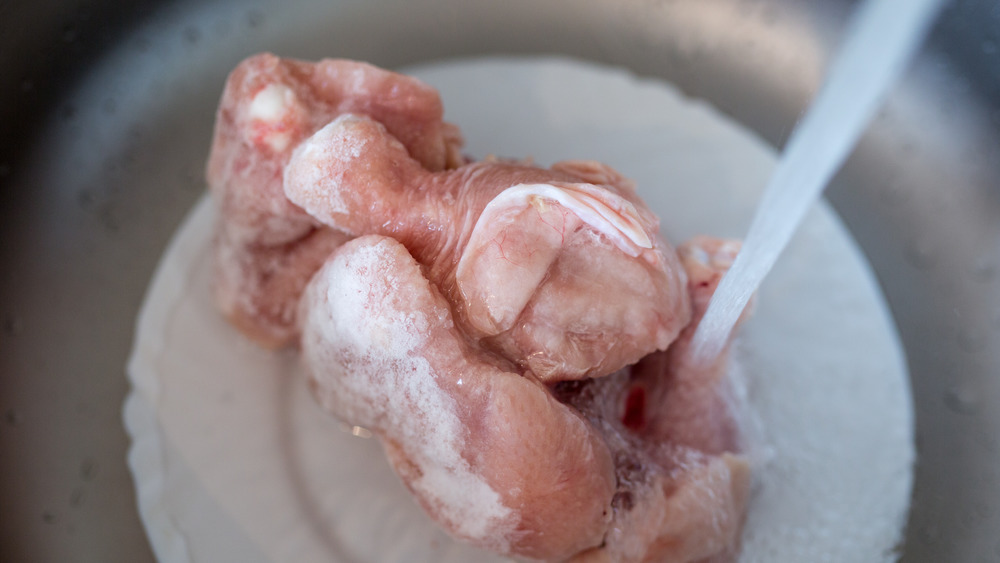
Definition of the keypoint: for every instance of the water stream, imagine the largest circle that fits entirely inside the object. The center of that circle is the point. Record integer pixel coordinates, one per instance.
(882, 37)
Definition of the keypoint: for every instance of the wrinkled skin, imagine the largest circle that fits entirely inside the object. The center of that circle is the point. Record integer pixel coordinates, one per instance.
(560, 270)
(517, 337)
(267, 248)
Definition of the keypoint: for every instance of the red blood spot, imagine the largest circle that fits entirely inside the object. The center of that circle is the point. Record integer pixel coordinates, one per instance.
(635, 409)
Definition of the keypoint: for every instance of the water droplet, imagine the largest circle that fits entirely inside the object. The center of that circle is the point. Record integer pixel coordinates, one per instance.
(971, 339)
(961, 401)
(255, 19)
(988, 442)
(70, 34)
(49, 517)
(983, 510)
(12, 417)
(88, 469)
(192, 35)
(76, 497)
(894, 194)
(990, 47)
(770, 15)
(983, 270)
(12, 326)
(223, 27)
(85, 198)
(109, 220)
(135, 132)
(919, 255)
(85, 409)
(928, 534)
(359, 431)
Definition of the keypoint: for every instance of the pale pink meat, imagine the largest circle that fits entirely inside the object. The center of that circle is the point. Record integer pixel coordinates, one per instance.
(567, 278)
(487, 451)
(517, 337)
(672, 427)
(598, 469)
(267, 248)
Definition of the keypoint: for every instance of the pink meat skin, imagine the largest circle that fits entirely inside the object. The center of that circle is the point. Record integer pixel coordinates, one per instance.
(533, 273)
(517, 337)
(266, 248)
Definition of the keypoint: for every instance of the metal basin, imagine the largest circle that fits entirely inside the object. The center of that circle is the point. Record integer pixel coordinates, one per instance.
(106, 111)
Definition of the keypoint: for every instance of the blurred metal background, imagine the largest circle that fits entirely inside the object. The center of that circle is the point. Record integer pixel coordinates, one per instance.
(105, 116)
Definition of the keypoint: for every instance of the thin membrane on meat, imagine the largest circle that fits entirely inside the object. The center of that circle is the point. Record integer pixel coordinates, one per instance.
(517, 337)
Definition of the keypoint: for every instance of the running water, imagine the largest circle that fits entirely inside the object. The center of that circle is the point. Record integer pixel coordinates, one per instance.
(882, 37)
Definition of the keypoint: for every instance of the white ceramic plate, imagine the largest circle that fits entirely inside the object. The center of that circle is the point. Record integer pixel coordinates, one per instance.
(234, 461)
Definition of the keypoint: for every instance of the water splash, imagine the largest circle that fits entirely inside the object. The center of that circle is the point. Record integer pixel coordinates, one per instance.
(882, 37)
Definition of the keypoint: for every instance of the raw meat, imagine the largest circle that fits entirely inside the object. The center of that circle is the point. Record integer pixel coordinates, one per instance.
(673, 430)
(515, 336)
(266, 248)
(487, 451)
(579, 470)
(560, 270)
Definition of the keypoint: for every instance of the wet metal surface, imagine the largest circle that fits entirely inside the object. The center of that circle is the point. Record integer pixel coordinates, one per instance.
(106, 118)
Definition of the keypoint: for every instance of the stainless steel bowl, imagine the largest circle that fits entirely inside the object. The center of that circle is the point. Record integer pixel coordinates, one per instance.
(105, 115)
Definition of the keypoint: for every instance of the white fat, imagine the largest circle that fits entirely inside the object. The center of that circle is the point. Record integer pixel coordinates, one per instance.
(271, 103)
(622, 226)
(355, 312)
(270, 106)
